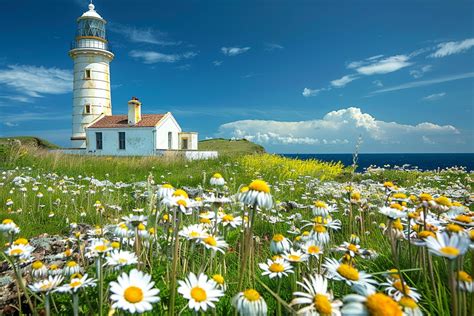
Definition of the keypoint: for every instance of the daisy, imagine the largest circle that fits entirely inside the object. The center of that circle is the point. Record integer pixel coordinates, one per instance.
(98, 247)
(393, 211)
(76, 284)
(8, 226)
(279, 244)
(214, 243)
(320, 208)
(134, 292)
(348, 274)
(230, 220)
(220, 281)
(464, 281)
(165, 191)
(258, 194)
(135, 220)
(121, 258)
(47, 285)
(316, 298)
(38, 270)
(277, 268)
(410, 307)
(194, 232)
(370, 302)
(396, 289)
(54, 269)
(447, 246)
(295, 256)
(20, 251)
(71, 267)
(320, 234)
(312, 248)
(122, 230)
(349, 248)
(217, 180)
(200, 292)
(249, 303)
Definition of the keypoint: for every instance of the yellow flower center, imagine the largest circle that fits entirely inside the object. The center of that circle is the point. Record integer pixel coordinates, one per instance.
(166, 217)
(217, 176)
(101, 248)
(425, 234)
(71, 264)
(348, 272)
(399, 286)
(408, 302)
(319, 228)
(115, 245)
(353, 248)
(218, 278)
(123, 226)
(193, 234)
(133, 294)
(16, 252)
(463, 276)
(7, 221)
(205, 220)
(198, 294)
(278, 238)
(380, 304)
(251, 295)
(294, 258)
(320, 204)
(425, 197)
(167, 186)
(442, 200)
(394, 274)
(399, 196)
(75, 283)
(259, 185)
(313, 249)
(396, 206)
(463, 219)
(388, 184)
(397, 225)
(210, 241)
(355, 196)
(322, 304)
(141, 226)
(122, 260)
(182, 203)
(276, 267)
(244, 189)
(454, 228)
(21, 241)
(450, 251)
(228, 218)
(37, 265)
(53, 267)
(180, 192)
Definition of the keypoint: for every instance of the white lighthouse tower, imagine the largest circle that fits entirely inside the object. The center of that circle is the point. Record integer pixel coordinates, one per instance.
(91, 87)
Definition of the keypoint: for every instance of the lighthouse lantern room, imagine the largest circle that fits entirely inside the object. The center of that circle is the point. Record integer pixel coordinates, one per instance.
(91, 85)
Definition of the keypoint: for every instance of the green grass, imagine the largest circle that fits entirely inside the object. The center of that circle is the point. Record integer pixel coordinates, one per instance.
(28, 141)
(231, 147)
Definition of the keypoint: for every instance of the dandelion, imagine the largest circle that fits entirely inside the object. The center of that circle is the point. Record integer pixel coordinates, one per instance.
(200, 291)
(134, 292)
(277, 268)
(316, 299)
(249, 302)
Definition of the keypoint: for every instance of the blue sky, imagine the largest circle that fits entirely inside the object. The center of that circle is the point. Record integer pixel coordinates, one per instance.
(295, 76)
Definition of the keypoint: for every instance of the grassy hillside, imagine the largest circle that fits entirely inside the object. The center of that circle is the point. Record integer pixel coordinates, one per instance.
(29, 141)
(231, 147)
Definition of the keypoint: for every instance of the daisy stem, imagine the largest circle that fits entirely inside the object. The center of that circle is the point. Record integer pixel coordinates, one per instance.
(47, 306)
(452, 283)
(278, 293)
(174, 266)
(101, 282)
(75, 304)
(472, 273)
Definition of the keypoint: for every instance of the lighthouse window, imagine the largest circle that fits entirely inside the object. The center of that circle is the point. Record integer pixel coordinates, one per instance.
(98, 140)
(87, 74)
(121, 140)
(88, 109)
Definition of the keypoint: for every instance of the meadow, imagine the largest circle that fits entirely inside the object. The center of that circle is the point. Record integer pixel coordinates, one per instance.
(243, 234)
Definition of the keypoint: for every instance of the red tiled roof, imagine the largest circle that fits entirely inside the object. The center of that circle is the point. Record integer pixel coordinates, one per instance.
(120, 121)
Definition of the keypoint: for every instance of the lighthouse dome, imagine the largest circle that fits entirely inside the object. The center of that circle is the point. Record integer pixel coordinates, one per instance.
(92, 13)
(91, 24)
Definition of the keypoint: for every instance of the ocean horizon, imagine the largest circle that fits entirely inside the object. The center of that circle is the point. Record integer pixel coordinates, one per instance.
(423, 161)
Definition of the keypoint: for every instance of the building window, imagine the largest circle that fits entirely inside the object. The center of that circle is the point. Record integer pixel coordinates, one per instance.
(88, 109)
(170, 139)
(184, 143)
(87, 74)
(98, 140)
(121, 140)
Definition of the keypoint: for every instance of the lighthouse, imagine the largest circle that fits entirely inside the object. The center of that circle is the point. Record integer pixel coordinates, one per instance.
(91, 86)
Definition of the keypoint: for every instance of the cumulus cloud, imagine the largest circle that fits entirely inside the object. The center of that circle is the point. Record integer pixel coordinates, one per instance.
(34, 81)
(434, 97)
(378, 65)
(141, 35)
(340, 127)
(339, 83)
(234, 51)
(152, 57)
(451, 48)
(307, 92)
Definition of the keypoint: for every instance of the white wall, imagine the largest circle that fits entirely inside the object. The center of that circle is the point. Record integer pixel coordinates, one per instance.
(138, 141)
(167, 124)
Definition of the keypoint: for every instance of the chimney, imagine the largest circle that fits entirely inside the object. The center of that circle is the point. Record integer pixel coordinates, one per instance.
(134, 111)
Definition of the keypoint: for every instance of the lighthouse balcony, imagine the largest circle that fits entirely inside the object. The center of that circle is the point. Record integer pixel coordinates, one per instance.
(90, 43)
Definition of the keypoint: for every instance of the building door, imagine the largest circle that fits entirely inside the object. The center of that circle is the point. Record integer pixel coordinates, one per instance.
(184, 143)
(170, 140)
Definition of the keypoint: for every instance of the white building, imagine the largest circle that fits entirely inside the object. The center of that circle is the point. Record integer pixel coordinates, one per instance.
(94, 129)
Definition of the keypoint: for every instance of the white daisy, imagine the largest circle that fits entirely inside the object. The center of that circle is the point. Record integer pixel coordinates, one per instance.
(47, 285)
(257, 194)
(312, 248)
(464, 282)
(249, 303)
(38, 270)
(277, 268)
(230, 220)
(76, 284)
(279, 244)
(396, 289)
(320, 208)
(448, 246)
(165, 191)
(194, 232)
(121, 258)
(200, 291)
(134, 292)
(71, 267)
(316, 298)
(217, 180)
(214, 243)
(370, 303)
(20, 251)
(295, 256)
(359, 280)
(393, 211)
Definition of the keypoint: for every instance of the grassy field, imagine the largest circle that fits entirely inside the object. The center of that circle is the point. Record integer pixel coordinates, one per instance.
(44, 192)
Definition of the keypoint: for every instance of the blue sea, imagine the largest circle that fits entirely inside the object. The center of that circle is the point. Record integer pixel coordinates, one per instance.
(422, 161)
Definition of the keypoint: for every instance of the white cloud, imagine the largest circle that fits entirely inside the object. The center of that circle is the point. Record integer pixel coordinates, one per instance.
(451, 48)
(141, 35)
(36, 81)
(217, 63)
(17, 98)
(10, 124)
(339, 83)
(340, 127)
(381, 66)
(234, 51)
(423, 83)
(307, 92)
(378, 83)
(152, 57)
(419, 72)
(434, 97)
(272, 46)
